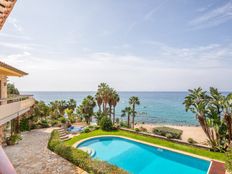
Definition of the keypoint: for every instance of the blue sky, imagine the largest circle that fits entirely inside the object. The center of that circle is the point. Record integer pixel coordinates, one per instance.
(138, 45)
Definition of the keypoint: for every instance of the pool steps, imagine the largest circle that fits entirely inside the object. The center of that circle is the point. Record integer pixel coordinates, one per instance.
(63, 134)
(88, 150)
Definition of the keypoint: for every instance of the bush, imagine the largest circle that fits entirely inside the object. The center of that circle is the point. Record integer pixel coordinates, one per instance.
(168, 132)
(143, 129)
(123, 124)
(14, 139)
(137, 130)
(80, 158)
(72, 119)
(86, 130)
(191, 141)
(117, 120)
(168, 136)
(228, 163)
(55, 123)
(44, 124)
(24, 125)
(62, 119)
(106, 124)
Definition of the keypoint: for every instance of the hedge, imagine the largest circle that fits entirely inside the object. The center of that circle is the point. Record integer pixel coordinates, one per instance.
(80, 158)
(168, 132)
(228, 163)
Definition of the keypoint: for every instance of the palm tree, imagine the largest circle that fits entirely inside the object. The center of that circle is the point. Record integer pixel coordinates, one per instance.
(127, 112)
(72, 104)
(133, 101)
(110, 101)
(103, 90)
(115, 101)
(227, 107)
(208, 109)
(98, 98)
(86, 109)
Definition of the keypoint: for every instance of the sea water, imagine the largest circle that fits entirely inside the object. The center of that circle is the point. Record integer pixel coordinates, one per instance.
(155, 107)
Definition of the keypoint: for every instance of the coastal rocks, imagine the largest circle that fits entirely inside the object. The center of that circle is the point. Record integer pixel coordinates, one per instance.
(31, 156)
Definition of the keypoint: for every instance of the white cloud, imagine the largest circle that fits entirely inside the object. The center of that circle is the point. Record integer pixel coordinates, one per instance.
(213, 17)
(172, 69)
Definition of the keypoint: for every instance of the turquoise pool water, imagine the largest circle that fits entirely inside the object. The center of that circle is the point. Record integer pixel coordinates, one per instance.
(138, 158)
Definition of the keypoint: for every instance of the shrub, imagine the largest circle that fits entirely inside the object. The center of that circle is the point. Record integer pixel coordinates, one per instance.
(72, 119)
(80, 158)
(137, 129)
(44, 124)
(168, 136)
(191, 141)
(55, 123)
(228, 163)
(143, 129)
(123, 124)
(106, 124)
(62, 119)
(86, 130)
(24, 125)
(168, 132)
(14, 139)
(54, 140)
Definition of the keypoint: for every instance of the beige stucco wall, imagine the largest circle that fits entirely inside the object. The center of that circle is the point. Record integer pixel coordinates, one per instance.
(3, 86)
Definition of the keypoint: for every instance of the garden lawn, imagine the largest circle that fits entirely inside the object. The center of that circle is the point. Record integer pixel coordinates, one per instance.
(152, 140)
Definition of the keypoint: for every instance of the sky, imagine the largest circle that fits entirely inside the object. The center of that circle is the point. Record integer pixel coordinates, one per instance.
(133, 45)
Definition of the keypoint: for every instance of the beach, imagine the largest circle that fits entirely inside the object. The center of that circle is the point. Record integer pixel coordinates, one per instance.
(194, 132)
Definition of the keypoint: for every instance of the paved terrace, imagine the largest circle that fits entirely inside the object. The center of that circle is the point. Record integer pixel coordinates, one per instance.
(31, 155)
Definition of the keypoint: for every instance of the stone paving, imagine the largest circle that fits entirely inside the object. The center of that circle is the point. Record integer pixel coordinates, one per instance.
(31, 155)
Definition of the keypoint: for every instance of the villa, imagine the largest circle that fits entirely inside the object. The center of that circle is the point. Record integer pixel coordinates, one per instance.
(11, 108)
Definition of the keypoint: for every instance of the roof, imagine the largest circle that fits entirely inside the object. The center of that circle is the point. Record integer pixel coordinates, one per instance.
(6, 7)
(8, 70)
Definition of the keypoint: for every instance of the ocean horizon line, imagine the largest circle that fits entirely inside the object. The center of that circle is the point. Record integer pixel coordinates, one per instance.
(122, 91)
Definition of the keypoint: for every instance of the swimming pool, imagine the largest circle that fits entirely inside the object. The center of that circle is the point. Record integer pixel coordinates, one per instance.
(139, 158)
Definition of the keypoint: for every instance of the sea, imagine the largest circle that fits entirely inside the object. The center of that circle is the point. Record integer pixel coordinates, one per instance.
(154, 108)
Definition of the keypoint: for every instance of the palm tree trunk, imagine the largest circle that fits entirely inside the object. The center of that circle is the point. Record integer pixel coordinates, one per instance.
(110, 112)
(99, 106)
(133, 117)
(114, 115)
(128, 121)
(228, 121)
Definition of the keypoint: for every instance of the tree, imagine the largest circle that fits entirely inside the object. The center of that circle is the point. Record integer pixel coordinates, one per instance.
(40, 110)
(227, 110)
(58, 107)
(133, 101)
(12, 90)
(107, 99)
(209, 109)
(115, 101)
(106, 123)
(86, 109)
(71, 104)
(127, 112)
(98, 98)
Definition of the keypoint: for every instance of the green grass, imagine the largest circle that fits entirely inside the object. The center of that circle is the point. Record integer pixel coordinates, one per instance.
(155, 141)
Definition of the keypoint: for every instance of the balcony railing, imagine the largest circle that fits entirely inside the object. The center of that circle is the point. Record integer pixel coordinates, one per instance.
(13, 107)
